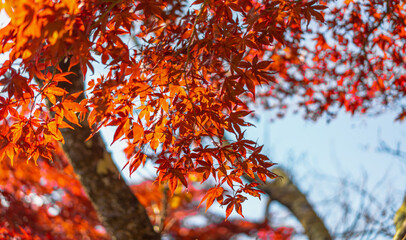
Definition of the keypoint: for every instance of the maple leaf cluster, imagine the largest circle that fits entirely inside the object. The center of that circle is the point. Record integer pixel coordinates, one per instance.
(354, 60)
(177, 82)
(180, 79)
(175, 215)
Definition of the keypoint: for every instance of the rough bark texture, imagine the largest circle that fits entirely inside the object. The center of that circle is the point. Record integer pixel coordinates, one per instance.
(400, 222)
(119, 210)
(285, 192)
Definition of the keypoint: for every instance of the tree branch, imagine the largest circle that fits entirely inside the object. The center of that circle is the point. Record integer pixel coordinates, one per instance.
(285, 192)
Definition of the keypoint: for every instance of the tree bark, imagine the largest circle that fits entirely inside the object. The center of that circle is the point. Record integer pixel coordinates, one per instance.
(285, 192)
(119, 210)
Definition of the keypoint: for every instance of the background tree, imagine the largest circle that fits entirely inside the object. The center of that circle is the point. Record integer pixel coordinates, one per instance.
(48, 202)
(185, 83)
(45, 201)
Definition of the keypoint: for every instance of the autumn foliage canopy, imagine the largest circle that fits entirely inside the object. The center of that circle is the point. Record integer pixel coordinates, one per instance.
(180, 78)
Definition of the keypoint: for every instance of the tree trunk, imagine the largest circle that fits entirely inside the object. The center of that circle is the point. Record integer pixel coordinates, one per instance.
(285, 192)
(400, 222)
(118, 209)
